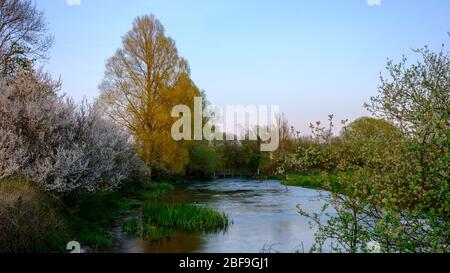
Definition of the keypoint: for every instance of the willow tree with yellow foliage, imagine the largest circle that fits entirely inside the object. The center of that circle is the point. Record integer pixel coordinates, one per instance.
(143, 81)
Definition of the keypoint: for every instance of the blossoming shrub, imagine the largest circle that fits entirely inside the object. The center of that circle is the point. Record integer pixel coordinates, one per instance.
(57, 144)
(393, 172)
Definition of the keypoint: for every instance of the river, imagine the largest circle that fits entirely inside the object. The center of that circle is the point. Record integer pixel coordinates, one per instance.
(264, 217)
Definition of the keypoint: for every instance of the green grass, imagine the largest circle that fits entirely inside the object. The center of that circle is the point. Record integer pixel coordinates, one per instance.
(154, 233)
(160, 220)
(153, 192)
(156, 191)
(90, 216)
(150, 232)
(316, 181)
(185, 217)
(131, 226)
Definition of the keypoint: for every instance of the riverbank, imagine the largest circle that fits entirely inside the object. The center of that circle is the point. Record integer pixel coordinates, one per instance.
(316, 181)
(49, 221)
(182, 217)
(146, 215)
(264, 217)
(159, 219)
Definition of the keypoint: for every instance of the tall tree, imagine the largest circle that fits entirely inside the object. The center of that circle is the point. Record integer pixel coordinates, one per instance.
(23, 37)
(143, 81)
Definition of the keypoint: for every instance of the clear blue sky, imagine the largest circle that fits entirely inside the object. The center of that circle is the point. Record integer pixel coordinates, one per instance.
(311, 57)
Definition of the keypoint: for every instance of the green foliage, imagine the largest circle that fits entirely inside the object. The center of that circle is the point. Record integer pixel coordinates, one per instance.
(319, 153)
(242, 157)
(146, 230)
(158, 220)
(416, 190)
(203, 162)
(131, 226)
(233, 156)
(89, 216)
(363, 143)
(153, 192)
(156, 191)
(253, 155)
(154, 233)
(393, 173)
(185, 217)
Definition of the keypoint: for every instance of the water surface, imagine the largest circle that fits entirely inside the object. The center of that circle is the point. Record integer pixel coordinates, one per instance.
(264, 216)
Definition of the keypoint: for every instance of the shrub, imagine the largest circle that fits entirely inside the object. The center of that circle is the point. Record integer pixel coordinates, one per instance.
(57, 144)
(203, 162)
(364, 142)
(319, 153)
(394, 175)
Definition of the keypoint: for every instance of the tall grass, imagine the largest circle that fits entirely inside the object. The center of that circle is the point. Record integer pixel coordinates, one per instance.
(185, 217)
(157, 190)
(149, 232)
(158, 220)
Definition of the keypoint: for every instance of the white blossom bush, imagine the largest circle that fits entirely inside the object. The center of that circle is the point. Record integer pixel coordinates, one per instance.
(12, 153)
(56, 143)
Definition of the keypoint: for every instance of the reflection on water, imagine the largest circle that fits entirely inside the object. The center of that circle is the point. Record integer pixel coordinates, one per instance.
(264, 215)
